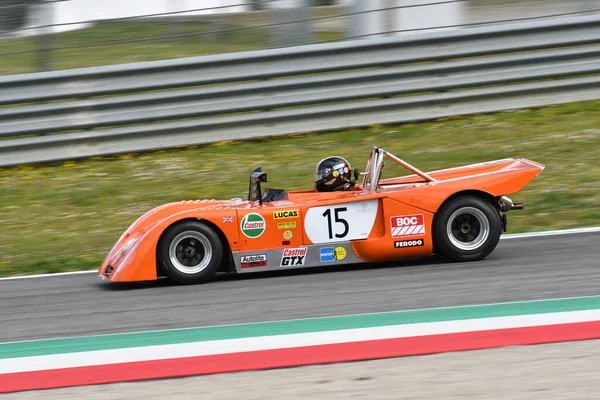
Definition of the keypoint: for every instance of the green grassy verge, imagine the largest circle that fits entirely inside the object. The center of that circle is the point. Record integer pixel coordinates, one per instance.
(20, 55)
(59, 218)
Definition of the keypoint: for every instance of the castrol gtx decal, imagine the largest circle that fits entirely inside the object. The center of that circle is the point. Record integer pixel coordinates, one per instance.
(408, 225)
(294, 257)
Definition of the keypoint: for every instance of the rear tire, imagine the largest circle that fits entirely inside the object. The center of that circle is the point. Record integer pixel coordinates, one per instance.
(190, 252)
(467, 228)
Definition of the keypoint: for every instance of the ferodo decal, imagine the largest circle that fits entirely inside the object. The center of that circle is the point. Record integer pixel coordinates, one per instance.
(408, 225)
(400, 244)
(332, 253)
(286, 225)
(294, 257)
(341, 222)
(253, 225)
(285, 214)
(253, 261)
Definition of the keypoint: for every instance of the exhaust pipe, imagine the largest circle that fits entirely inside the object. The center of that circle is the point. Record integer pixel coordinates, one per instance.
(505, 204)
(517, 206)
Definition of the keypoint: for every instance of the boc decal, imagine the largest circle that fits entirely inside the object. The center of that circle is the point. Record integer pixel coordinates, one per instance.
(408, 225)
(253, 225)
(333, 253)
(285, 214)
(294, 257)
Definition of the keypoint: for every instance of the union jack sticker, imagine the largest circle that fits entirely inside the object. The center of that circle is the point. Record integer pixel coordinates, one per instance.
(227, 219)
(408, 225)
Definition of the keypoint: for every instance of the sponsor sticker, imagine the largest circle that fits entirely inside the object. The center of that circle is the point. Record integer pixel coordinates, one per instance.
(332, 253)
(285, 242)
(285, 214)
(294, 257)
(253, 225)
(286, 225)
(400, 244)
(408, 225)
(287, 235)
(253, 261)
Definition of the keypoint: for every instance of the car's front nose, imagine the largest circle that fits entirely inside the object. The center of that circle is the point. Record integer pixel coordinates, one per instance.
(119, 255)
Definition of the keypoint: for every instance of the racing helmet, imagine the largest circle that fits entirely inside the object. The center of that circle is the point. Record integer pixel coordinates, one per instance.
(332, 174)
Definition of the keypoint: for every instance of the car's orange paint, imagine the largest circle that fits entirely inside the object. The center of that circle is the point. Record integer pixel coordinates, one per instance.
(379, 246)
(396, 196)
(499, 179)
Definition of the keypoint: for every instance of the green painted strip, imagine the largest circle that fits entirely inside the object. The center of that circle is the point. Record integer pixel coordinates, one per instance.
(150, 338)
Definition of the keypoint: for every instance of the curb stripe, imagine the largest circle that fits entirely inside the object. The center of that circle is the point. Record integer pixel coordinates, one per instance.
(206, 348)
(192, 335)
(297, 356)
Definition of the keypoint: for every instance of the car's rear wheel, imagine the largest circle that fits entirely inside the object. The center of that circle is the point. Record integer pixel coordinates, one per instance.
(467, 228)
(190, 252)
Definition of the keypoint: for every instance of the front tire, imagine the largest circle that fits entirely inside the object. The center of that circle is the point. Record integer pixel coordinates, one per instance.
(190, 252)
(467, 228)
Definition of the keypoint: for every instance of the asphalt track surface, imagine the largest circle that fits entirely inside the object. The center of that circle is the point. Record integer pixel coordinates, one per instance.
(520, 269)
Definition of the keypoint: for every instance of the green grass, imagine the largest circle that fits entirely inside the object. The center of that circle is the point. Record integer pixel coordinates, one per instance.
(253, 38)
(67, 217)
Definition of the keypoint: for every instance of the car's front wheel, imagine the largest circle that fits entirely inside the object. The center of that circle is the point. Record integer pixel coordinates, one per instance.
(190, 252)
(467, 228)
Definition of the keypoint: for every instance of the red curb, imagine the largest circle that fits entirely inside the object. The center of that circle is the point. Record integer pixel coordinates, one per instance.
(276, 358)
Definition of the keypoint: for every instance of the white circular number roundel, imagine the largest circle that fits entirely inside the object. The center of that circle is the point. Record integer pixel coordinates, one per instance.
(340, 222)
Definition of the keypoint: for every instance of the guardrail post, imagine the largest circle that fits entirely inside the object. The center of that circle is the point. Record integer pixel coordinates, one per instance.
(292, 23)
(426, 15)
(366, 21)
(44, 37)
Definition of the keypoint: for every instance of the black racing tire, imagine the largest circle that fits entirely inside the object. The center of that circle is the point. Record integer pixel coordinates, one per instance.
(467, 228)
(189, 252)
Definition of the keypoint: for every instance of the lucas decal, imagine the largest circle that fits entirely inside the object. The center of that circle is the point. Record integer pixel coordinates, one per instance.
(285, 214)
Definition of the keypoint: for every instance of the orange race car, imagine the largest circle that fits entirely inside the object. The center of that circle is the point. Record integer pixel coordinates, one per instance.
(456, 213)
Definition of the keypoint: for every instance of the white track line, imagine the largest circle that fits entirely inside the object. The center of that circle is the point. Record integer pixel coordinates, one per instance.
(551, 233)
(12, 278)
(592, 229)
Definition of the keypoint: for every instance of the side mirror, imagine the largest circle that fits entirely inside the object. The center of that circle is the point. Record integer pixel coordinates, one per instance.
(259, 176)
(355, 173)
(254, 190)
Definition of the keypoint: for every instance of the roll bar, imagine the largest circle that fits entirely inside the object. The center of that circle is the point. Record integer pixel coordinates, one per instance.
(372, 173)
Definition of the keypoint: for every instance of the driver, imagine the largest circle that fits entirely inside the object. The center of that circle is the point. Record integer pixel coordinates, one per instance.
(332, 175)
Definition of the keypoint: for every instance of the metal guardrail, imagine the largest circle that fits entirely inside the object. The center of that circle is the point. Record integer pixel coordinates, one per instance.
(144, 106)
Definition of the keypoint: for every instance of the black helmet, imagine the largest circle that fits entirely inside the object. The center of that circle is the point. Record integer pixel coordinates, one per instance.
(332, 174)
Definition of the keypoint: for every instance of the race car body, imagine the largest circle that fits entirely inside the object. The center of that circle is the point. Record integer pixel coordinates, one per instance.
(457, 213)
